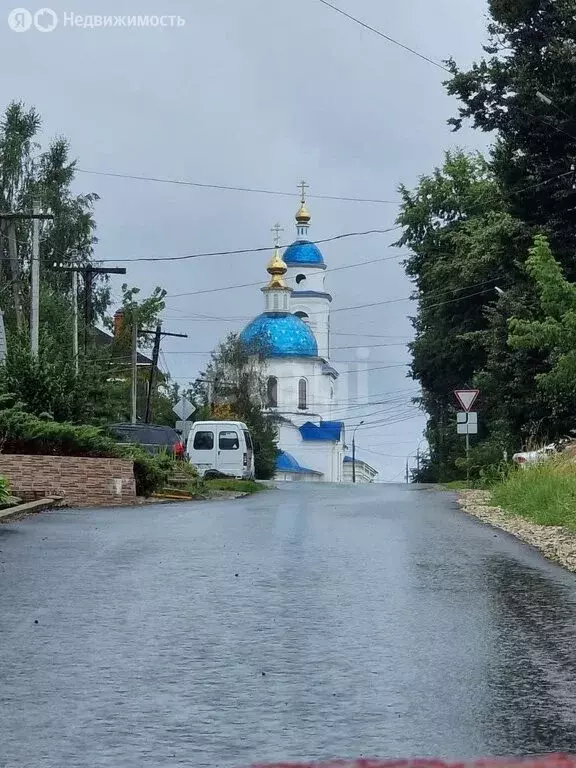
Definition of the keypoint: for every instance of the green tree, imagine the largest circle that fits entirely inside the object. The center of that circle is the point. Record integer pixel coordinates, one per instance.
(237, 379)
(49, 384)
(459, 233)
(553, 331)
(26, 174)
(531, 50)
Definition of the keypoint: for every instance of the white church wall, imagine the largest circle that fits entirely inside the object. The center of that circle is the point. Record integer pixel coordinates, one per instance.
(288, 372)
(323, 456)
(314, 279)
(317, 310)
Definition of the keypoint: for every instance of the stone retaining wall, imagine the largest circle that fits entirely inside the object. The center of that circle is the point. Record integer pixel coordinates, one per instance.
(81, 482)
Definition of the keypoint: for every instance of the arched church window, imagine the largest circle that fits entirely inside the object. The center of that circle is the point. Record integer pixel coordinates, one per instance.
(302, 394)
(301, 315)
(272, 392)
(300, 279)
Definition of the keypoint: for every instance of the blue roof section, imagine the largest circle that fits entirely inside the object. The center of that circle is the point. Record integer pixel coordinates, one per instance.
(326, 430)
(303, 252)
(277, 334)
(287, 463)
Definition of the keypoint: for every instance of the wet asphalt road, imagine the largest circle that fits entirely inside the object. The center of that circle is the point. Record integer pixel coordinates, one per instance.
(307, 622)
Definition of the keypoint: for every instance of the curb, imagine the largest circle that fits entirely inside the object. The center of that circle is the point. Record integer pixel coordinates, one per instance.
(31, 506)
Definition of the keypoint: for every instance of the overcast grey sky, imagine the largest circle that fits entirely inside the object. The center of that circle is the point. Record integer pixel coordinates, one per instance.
(257, 93)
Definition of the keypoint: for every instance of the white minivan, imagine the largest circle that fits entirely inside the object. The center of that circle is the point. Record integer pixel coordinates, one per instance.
(221, 447)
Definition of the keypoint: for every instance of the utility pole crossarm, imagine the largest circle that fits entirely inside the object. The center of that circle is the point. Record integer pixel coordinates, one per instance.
(165, 333)
(158, 335)
(88, 271)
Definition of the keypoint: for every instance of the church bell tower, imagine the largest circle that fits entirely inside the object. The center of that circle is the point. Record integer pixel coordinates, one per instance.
(306, 276)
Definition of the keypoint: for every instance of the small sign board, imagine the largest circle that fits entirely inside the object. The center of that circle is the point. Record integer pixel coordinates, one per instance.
(467, 398)
(184, 408)
(467, 423)
(184, 428)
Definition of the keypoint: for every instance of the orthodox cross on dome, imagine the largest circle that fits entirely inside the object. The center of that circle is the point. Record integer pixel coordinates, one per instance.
(276, 230)
(303, 217)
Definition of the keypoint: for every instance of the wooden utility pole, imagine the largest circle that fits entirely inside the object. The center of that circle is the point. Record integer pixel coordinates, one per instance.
(88, 271)
(75, 319)
(134, 364)
(36, 216)
(15, 272)
(35, 283)
(158, 334)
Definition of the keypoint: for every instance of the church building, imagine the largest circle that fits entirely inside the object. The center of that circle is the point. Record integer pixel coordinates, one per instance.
(293, 335)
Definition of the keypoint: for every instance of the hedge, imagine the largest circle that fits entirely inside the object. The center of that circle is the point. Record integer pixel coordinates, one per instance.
(25, 434)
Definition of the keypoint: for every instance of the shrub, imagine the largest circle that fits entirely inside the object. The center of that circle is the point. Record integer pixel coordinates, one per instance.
(150, 472)
(4, 491)
(544, 493)
(24, 433)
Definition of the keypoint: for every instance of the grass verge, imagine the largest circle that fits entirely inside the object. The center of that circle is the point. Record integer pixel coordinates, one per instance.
(544, 493)
(234, 486)
(455, 485)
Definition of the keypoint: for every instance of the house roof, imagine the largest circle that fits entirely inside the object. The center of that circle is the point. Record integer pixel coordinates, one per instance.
(104, 339)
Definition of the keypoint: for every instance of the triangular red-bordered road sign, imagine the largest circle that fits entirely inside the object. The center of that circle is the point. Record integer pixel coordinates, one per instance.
(467, 398)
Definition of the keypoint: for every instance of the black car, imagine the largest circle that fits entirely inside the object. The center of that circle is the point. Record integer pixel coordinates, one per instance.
(152, 438)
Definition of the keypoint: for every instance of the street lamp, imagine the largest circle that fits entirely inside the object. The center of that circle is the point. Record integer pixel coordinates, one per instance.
(354, 451)
(418, 457)
(499, 291)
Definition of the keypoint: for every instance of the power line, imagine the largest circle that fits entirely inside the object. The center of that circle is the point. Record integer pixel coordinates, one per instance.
(233, 188)
(432, 61)
(315, 375)
(263, 282)
(238, 251)
(424, 306)
(385, 36)
(243, 318)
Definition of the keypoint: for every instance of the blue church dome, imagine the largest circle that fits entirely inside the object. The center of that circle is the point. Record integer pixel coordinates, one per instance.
(280, 335)
(303, 252)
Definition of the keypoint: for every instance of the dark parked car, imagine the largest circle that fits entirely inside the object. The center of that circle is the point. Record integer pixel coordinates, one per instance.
(152, 438)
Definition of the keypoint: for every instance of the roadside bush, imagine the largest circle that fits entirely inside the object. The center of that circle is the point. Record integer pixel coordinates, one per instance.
(150, 472)
(153, 473)
(4, 491)
(24, 433)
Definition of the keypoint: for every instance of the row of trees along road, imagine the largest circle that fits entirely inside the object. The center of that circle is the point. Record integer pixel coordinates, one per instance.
(471, 225)
(99, 392)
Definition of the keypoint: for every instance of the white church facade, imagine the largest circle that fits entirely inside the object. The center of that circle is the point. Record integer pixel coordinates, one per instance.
(293, 336)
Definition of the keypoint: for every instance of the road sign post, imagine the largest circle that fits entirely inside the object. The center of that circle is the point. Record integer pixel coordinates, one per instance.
(467, 398)
(184, 409)
(467, 422)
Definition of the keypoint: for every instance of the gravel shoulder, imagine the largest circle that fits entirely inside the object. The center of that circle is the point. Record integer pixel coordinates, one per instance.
(555, 542)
